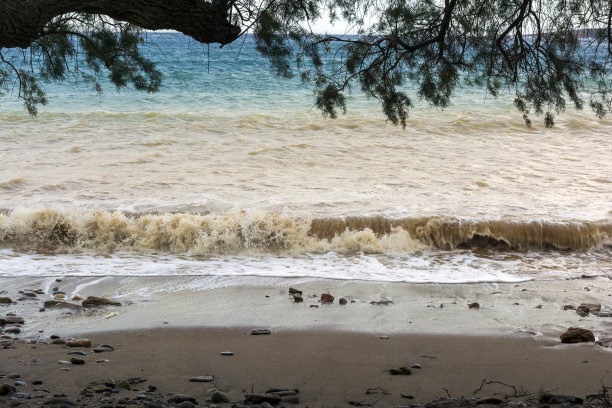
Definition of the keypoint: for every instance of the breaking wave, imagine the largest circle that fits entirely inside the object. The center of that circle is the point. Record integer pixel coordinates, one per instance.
(264, 233)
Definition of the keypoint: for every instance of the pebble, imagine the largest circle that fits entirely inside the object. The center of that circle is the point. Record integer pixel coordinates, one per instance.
(577, 335)
(85, 343)
(227, 353)
(20, 383)
(262, 398)
(78, 352)
(12, 376)
(297, 298)
(103, 348)
(202, 378)
(64, 369)
(474, 305)
(6, 389)
(293, 291)
(261, 332)
(327, 298)
(94, 301)
(77, 361)
(343, 301)
(219, 397)
(103, 360)
(37, 382)
(181, 398)
(381, 302)
(416, 366)
(13, 330)
(186, 404)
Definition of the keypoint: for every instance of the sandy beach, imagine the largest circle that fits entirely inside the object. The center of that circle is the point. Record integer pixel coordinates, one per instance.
(333, 354)
(328, 368)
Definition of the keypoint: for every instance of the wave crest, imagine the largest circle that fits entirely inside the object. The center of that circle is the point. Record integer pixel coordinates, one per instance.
(245, 232)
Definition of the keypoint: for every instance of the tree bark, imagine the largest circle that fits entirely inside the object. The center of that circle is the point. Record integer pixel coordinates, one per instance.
(22, 21)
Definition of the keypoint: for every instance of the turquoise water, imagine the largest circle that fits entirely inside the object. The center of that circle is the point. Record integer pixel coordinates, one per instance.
(234, 173)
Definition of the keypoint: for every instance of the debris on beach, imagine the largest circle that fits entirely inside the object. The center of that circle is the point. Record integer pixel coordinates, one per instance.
(474, 305)
(326, 298)
(400, 371)
(577, 335)
(343, 301)
(297, 298)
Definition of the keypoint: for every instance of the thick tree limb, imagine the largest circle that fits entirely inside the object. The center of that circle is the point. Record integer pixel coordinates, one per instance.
(22, 21)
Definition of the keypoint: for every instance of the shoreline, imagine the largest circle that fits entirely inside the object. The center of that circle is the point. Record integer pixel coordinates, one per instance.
(534, 307)
(168, 330)
(329, 368)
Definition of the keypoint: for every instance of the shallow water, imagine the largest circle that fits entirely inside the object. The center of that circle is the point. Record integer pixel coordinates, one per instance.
(234, 173)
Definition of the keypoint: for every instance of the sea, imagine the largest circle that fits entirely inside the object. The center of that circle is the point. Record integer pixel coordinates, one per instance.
(229, 171)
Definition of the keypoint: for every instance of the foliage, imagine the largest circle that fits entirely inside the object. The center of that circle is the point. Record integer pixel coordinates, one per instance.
(548, 53)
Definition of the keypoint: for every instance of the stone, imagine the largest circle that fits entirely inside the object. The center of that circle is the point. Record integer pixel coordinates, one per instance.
(593, 307)
(603, 314)
(202, 378)
(5, 300)
(57, 304)
(326, 298)
(101, 390)
(94, 301)
(297, 298)
(30, 294)
(58, 341)
(77, 361)
(582, 311)
(37, 382)
(381, 302)
(343, 301)
(85, 343)
(54, 336)
(400, 371)
(577, 335)
(6, 389)
(282, 391)
(178, 398)
(293, 291)
(13, 330)
(569, 307)
(262, 398)
(77, 352)
(20, 383)
(103, 348)
(474, 305)
(219, 397)
(14, 320)
(261, 332)
(227, 353)
(546, 398)
(12, 376)
(417, 366)
(184, 404)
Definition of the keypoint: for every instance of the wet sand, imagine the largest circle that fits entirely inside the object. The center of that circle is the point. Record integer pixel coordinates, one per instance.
(329, 368)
